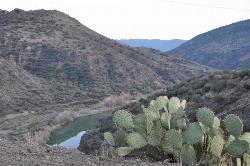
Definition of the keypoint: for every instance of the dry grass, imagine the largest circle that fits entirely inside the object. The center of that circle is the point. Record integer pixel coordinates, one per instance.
(116, 100)
(64, 117)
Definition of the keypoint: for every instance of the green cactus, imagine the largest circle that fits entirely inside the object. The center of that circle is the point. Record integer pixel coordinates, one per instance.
(234, 125)
(136, 141)
(161, 102)
(237, 147)
(164, 127)
(109, 138)
(246, 159)
(180, 113)
(123, 119)
(181, 123)
(246, 137)
(140, 124)
(120, 137)
(193, 133)
(183, 104)
(206, 117)
(173, 139)
(154, 137)
(188, 155)
(123, 151)
(174, 104)
(165, 120)
(217, 146)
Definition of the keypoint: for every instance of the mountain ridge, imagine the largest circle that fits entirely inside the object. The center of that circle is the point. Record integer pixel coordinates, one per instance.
(226, 47)
(81, 64)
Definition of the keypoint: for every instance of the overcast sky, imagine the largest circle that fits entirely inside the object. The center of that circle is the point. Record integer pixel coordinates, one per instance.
(148, 19)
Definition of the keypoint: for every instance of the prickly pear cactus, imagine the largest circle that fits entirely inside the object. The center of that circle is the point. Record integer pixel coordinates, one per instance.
(172, 138)
(206, 116)
(123, 119)
(164, 127)
(181, 123)
(140, 124)
(154, 137)
(136, 141)
(237, 147)
(123, 151)
(188, 155)
(120, 137)
(217, 145)
(165, 120)
(234, 125)
(193, 133)
(109, 138)
(174, 104)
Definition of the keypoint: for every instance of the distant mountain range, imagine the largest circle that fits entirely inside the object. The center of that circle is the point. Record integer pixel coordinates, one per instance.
(49, 58)
(162, 45)
(227, 47)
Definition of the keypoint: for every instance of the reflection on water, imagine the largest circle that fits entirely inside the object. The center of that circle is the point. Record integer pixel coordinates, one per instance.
(73, 142)
(70, 134)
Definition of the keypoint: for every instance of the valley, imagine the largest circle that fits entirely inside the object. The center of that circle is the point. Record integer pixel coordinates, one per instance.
(61, 80)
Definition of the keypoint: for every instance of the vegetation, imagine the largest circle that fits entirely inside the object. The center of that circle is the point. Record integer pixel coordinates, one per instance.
(226, 47)
(164, 128)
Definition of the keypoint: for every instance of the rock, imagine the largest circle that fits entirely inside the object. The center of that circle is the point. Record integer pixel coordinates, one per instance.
(91, 142)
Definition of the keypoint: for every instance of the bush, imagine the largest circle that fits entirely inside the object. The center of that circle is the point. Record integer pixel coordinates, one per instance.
(116, 100)
(64, 117)
(164, 129)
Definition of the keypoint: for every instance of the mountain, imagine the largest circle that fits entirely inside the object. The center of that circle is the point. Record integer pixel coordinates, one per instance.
(162, 45)
(49, 58)
(227, 47)
(223, 92)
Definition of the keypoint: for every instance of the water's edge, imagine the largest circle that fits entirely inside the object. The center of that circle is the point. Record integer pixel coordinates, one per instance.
(70, 135)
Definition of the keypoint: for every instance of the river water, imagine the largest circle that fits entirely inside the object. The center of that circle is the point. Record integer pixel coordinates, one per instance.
(70, 135)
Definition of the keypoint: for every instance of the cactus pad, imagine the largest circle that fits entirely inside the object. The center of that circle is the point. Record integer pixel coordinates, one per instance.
(173, 139)
(205, 116)
(234, 125)
(181, 123)
(188, 155)
(123, 119)
(193, 133)
(109, 138)
(140, 124)
(123, 151)
(217, 145)
(174, 104)
(136, 141)
(120, 137)
(154, 137)
(183, 104)
(237, 147)
(165, 119)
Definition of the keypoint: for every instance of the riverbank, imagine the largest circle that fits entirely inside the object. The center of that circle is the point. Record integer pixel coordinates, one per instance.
(21, 153)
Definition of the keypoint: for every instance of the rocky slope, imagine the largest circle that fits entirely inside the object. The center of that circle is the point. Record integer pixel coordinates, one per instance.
(227, 47)
(20, 153)
(65, 62)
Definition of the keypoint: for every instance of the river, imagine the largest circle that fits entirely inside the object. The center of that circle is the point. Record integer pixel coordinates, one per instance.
(70, 135)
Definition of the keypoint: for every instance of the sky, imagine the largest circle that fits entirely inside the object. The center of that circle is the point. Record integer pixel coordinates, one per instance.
(144, 19)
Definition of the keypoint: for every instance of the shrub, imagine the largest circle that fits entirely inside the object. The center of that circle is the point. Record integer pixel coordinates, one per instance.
(64, 117)
(164, 127)
(116, 100)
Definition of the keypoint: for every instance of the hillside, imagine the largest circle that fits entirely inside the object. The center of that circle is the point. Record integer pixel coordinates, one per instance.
(227, 47)
(223, 92)
(162, 45)
(58, 61)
